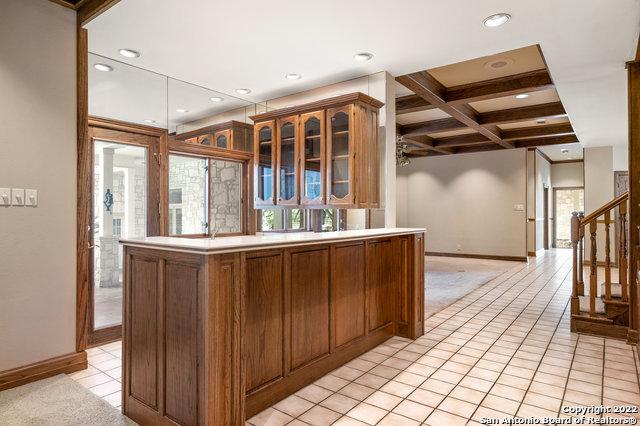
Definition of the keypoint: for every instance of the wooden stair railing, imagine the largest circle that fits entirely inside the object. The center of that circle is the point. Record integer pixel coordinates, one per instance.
(603, 303)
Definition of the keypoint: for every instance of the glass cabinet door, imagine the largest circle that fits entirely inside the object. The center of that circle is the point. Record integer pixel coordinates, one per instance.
(287, 161)
(312, 175)
(222, 139)
(340, 156)
(264, 150)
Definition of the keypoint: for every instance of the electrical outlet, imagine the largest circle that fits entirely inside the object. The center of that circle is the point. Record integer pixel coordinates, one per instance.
(17, 197)
(5, 197)
(459, 247)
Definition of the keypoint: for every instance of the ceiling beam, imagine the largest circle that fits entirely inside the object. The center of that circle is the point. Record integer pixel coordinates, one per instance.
(551, 140)
(538, 131)
(90, 9)
(499, 87)
(513, 115)
(428, 88)
(431, 126)
(426, 143)
(463, 140)
(478, 148)
(411, 103)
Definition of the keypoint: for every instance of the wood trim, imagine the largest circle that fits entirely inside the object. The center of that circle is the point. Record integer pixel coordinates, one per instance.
(41, 370)
(124, 126)
(477, 256)
(567, 161)
(175, 146)
(83, 186)
(318, 105)
(91, 9)
(545, 156)
(64, 3)
(227, 125)
(411, 103)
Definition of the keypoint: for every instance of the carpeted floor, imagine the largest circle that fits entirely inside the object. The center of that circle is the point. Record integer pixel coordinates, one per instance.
(57, 400)
(451, 278)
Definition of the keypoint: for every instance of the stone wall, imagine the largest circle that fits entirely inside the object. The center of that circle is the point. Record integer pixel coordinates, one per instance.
(226, 196)
(189, 175)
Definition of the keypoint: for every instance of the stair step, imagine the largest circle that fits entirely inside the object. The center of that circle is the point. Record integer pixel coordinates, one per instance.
(585, 304)
(616, 290)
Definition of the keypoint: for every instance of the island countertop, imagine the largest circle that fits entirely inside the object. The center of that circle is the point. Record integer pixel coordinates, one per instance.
(260, 242)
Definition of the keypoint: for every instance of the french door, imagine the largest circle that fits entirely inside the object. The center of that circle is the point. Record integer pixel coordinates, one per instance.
(125, 170)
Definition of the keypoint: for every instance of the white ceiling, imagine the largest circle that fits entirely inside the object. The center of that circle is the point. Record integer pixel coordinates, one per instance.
(554, 152)
(241, 43)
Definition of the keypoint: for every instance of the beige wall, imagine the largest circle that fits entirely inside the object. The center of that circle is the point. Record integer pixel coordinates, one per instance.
(466, 202)
(38, 150)
(567, 174)
(598, 186)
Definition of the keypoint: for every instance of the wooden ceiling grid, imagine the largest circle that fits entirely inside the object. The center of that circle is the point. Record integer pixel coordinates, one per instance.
(429, 93)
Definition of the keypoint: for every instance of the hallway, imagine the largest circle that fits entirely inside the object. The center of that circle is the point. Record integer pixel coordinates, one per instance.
(501, 351)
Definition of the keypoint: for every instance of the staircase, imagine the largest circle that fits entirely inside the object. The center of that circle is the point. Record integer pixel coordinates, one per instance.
(604, 308)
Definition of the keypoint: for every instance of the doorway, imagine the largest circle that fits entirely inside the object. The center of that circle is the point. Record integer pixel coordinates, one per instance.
(565, 201)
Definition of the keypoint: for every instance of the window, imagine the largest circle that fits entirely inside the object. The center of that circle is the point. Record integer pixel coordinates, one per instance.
(283, 220)
(188, 189)
(117, 227)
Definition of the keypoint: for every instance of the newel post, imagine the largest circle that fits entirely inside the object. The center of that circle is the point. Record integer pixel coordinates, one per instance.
(575, 236)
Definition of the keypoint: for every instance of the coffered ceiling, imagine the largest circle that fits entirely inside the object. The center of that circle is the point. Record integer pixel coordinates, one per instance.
(225, 45)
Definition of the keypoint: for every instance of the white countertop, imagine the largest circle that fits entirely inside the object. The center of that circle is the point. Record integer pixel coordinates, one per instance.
(258, 242)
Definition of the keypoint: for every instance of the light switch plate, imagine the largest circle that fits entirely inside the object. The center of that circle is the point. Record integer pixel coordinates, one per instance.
(5, 197)
(518, 207)
(31, 197)
(17, 197)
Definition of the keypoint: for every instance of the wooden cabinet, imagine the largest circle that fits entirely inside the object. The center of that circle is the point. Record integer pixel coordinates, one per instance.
(264, 164)
(233, 135)
(327, 153)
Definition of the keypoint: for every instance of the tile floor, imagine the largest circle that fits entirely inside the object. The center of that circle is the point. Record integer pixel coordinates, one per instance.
(503, 350)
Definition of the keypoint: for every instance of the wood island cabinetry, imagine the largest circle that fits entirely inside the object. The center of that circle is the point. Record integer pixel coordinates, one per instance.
(319, 154)
(216, 331)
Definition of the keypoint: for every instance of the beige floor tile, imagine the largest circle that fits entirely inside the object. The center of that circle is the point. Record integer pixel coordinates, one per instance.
(319, 416)
(622, 395)
(458, 407)
(331, 382)
(96, 379)
(106, 388)
(293, 405)
(270, 417)
(411, 379)
(385, 371)
(447, 376)
(545, 389)
(356, 391)
(498, 403)
(339, 403)
(393, 419)
(477, 384)
(576, 397)
(441, 418)
(398, 389)
(425, 397)
(115, 399)
(488, 413)
(383, 400)
(313, 393)
(348, 421)
(371, 380)
(531, 411)
(468, 395)
(413, 410)
(437, 386)
(542, 401)
(367, 413)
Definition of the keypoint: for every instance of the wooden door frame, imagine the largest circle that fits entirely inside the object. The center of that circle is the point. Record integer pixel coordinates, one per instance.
(545, 208)
(555, 210)
(129, 134)
(616, 217)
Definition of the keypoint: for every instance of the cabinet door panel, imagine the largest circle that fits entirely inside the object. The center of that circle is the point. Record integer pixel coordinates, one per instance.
(223, 139)
(348, 292)
(287, 152)
(264, 307)
(309, 281)
(340, 156)
(264, 163)
(312, 153)
(381, 276)
(181, 342)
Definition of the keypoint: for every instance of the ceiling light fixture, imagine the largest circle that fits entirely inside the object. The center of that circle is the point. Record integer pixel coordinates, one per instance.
(182, 110)
(541, 121)
(243, 91)
(496, 20)
(216, 99)
(363, 56)
(129, 53)
(522, 96)
(564, 150)
(293, 76)
(103, 67)
(149, 121)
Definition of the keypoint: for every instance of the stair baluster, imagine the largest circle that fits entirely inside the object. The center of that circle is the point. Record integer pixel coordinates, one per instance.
(581, 257)
(607, 256)
(575, 238)
(623, 262)
(593, 276)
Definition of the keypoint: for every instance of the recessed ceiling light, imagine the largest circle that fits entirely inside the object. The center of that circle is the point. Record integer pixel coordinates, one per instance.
(149, 121)
(497, 63)
(363, 56)
(216, 99)
(182, 110)
(541, 121)
(103, 67)
(522, 96)
(564, 150)
(243, 91)
(128, 53)
(496, 20)
(293, 76)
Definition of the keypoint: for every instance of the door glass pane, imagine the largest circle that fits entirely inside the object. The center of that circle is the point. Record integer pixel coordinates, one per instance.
(567, 201)
(225, 188)
(312, 153)
(119, 211)
(340, 155)
(265, 168)
(287, 161)
(187, 195)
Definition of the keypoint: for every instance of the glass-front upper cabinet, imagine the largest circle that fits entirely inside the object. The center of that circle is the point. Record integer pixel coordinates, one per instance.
(340, 170)
(264, 151)
(312, 176)
(222, 139)
(287, 152)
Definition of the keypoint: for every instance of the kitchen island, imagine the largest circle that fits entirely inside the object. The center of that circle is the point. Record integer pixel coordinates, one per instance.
(217, 330)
